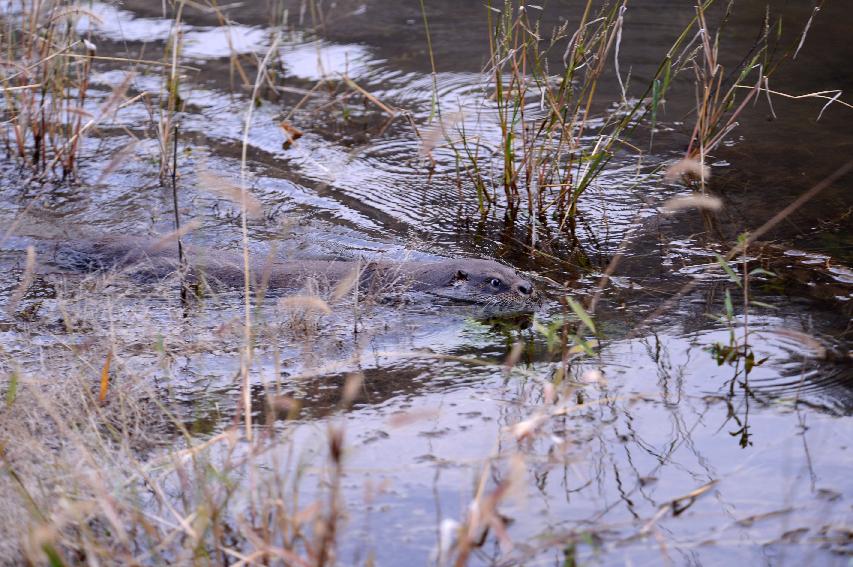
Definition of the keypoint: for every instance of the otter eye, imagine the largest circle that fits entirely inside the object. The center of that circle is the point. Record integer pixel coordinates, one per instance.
(495, 282)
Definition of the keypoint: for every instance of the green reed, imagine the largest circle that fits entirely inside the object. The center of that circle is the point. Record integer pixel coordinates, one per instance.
(549, 154)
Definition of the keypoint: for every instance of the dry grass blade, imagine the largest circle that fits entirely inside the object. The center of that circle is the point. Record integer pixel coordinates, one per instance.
(71, 12)
(21, 88)
(385, 108)
(815, 10)
(832, 97)
(230, 436)
(26, 281)
(142, 62)
(221, 187)
(677, 505)
(105, 378)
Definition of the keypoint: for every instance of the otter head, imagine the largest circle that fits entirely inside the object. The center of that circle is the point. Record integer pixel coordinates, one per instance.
(489, 283)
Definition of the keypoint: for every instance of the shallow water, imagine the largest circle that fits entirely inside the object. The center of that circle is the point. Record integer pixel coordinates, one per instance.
(608, 479)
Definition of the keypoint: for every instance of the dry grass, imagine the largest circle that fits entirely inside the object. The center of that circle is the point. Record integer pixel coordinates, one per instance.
(46, 70)
(67, 456)
(124, 481)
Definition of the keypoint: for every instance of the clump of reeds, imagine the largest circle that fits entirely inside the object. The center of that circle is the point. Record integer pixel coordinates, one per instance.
(549, 152)
(543, 113)
(45, 79)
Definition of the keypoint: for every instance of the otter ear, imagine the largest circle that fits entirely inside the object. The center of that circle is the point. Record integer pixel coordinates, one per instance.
(461, 275)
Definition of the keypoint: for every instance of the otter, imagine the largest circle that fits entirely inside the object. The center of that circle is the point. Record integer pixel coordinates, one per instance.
(468, 280)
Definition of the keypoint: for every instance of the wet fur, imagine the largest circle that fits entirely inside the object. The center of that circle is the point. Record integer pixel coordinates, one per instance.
(472, 280)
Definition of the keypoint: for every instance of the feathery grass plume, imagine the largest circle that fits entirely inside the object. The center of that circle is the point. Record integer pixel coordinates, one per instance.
(801, 338)
(434, 134)
(593, 377)
(169, 239)
(696, 201)
(687, 168)
(527, 428)
(347, 283)
(352, 386)
(221, 187)
(304, 302)
(404, 418)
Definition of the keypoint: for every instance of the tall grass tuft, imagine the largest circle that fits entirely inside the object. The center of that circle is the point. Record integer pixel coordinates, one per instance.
(543, 113)
(550, 150)
(45, 74)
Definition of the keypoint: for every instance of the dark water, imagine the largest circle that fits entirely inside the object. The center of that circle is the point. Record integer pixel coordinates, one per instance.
(661, 420)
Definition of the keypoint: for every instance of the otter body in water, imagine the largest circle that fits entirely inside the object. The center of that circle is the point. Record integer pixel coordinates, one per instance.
(468, 280)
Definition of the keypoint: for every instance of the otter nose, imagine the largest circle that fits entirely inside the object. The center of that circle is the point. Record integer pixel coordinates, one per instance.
(524, 288)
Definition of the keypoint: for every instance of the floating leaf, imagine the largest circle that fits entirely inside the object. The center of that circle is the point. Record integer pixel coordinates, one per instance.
(291, 134)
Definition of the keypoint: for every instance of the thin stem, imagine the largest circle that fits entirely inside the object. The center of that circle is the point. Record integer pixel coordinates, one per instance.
(247, 298)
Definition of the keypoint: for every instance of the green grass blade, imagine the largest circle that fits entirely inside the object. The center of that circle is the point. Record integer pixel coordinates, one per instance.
(585, 318)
